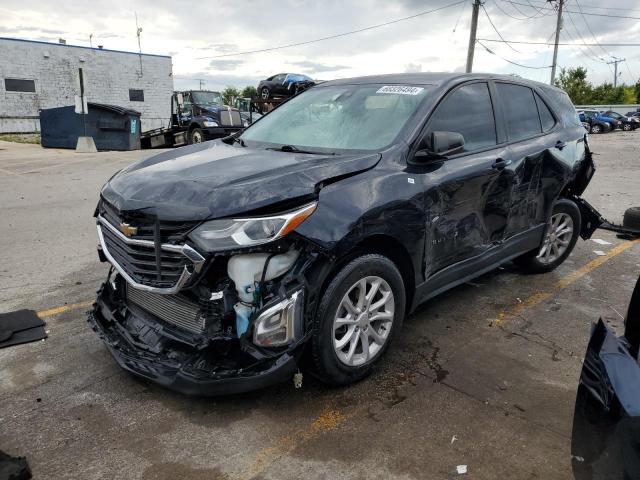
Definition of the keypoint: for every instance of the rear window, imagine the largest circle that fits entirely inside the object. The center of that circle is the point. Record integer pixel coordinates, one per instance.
(546, 117)
(561, 104)
(520, 111)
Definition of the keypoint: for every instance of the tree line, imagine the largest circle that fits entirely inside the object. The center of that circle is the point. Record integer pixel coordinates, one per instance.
(229, 93)
(582, 92)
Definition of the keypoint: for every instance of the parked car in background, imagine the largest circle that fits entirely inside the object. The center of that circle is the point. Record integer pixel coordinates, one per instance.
(284, 85)
(307, 238)
(594, 124)
(615, 123)
(628, 122)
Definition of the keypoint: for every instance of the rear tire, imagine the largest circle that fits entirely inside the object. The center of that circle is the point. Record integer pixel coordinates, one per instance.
(351, 334)
(559, 239)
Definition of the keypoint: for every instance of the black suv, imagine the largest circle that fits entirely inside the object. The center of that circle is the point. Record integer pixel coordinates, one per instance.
(306, 239)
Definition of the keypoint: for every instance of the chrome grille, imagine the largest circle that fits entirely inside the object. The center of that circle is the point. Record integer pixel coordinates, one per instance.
(170, 231)
(164, 270)
(173, 309)
(230, 118)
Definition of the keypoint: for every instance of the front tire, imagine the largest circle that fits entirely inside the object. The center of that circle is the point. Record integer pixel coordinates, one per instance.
(596, 128)
(561, 235)
(265, 94)
(627, 127)
(196, 136)
(359, 314)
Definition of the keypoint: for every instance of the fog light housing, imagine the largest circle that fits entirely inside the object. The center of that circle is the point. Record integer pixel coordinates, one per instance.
(280, 324)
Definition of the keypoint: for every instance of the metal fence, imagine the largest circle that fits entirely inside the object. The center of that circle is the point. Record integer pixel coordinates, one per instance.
(616, 108)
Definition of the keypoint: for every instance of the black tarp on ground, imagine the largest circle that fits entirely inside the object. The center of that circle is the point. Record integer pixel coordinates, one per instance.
(21, 326)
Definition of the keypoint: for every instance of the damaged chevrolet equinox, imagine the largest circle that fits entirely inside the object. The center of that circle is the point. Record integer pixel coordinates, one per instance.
(305, 240)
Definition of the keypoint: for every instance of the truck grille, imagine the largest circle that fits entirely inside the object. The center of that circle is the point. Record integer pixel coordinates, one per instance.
(173, 309)
(162, 270)
(230, 118)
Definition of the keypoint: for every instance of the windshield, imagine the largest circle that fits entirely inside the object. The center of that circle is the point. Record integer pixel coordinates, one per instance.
(346, 117)
(209, 99)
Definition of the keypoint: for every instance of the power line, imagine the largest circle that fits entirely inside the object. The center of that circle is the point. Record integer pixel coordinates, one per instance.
(307, 42)
(495, 29)
(589, 54)
(585, 13)
(497, 4)
(589, 28)
(561, 43)
(509, 61)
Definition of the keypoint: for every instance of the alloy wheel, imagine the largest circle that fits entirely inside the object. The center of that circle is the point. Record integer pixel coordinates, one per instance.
(362, 323)
(557, 238)
(196, 137)
(595, 129)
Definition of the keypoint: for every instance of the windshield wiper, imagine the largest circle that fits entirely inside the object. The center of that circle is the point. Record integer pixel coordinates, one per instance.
(294, 149)
(234, 139)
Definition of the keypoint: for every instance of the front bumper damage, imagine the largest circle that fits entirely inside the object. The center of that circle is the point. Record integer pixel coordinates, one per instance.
(145, 346)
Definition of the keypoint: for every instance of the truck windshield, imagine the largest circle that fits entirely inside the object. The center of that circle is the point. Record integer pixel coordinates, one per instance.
(345, 117)
(211, 99)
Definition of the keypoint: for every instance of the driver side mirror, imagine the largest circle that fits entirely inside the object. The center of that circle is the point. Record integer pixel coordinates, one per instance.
(438, 146)
(180, 99)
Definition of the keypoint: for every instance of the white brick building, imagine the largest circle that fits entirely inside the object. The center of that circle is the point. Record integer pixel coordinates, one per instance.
(36, 75)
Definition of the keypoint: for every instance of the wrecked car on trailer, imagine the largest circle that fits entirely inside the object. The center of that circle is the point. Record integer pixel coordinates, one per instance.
(306, 239)
(606, 422)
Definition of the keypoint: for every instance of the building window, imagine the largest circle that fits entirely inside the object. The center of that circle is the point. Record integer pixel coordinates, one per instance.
(136, 95)
(19, 85)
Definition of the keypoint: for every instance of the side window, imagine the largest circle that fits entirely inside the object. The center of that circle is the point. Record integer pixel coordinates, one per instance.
(546, 117)
(468, 111)
(279, 78)
(520, 111)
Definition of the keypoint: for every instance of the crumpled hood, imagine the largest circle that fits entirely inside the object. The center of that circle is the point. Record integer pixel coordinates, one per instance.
(213, 180)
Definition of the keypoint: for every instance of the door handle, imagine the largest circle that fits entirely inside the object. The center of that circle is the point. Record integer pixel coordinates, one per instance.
(560, 144)
(500, 164)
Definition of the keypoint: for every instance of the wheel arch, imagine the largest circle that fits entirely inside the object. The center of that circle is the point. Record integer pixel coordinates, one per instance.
(386, 246)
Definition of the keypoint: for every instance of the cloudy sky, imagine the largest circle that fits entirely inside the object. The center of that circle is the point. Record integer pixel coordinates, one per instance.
(194, 33)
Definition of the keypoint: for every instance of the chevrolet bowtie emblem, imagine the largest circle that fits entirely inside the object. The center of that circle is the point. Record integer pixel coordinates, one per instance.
(127, 229)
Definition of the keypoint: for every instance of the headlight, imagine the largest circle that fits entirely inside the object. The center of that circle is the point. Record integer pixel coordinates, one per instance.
(226, 234)
(210, 123)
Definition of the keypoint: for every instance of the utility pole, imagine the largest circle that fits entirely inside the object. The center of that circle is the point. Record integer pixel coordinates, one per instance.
(555, 47)
(472, 34)
(615, 63)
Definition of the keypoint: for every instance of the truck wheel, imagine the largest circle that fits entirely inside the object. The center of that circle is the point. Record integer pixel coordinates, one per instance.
(359, 314)
(265, 94)
(196, 136)
(559, 239)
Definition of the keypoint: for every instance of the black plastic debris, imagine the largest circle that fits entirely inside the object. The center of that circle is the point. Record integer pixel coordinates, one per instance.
(13, 468)
(21, 326)
(606, 422)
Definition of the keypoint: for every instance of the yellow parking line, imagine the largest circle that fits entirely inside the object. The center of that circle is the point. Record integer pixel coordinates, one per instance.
(564, 282)
(328, 420)
(65, 308)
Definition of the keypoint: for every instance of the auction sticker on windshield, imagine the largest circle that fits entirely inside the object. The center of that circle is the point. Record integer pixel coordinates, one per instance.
(400, 89)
